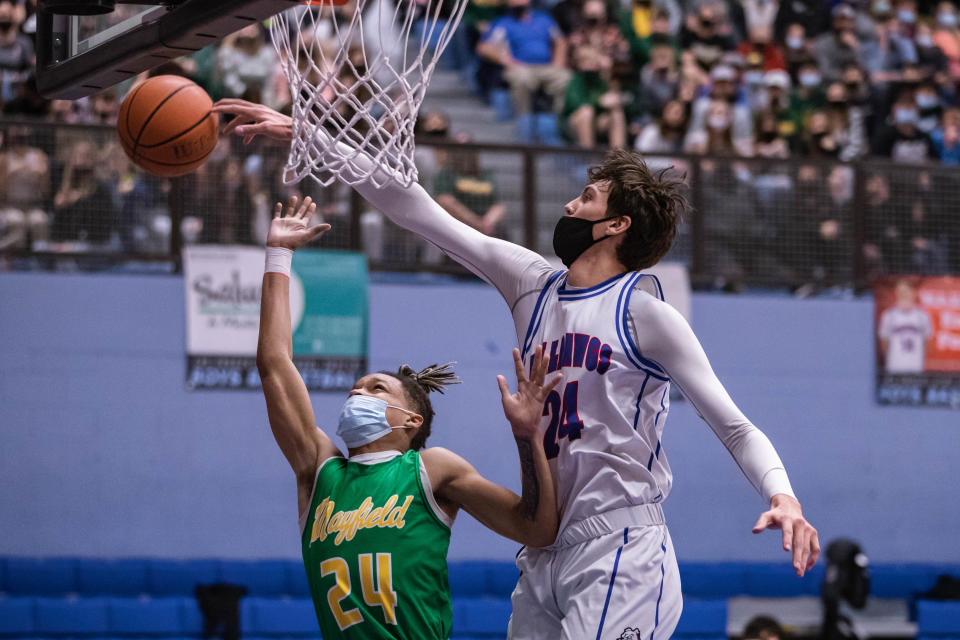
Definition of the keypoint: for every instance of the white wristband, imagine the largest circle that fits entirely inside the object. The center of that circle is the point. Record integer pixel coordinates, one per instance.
(278, 260)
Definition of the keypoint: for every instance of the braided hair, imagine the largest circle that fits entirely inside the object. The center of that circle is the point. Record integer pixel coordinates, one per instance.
(417, 385)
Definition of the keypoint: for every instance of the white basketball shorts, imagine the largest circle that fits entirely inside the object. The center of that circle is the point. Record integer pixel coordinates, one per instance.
(600, 582)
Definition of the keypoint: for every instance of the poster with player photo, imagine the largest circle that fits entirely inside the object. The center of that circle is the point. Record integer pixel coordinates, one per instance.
(917, 337)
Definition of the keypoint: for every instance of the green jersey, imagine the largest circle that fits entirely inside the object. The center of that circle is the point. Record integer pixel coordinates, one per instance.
(375, 549)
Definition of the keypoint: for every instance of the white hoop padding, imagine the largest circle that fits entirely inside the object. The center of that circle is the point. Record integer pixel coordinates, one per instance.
(358, 74)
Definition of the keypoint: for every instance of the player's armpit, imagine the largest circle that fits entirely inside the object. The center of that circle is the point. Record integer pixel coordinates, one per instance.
(668, 340)
(496, 507)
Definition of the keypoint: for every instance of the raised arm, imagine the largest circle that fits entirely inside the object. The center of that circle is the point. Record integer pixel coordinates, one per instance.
(530, 518)
(510, 268)
(667, 339)
(288, 403)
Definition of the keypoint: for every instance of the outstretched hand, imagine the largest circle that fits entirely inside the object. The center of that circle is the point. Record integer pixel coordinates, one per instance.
(524, 408)
(251, 119)
(799, 536)
(291, 229)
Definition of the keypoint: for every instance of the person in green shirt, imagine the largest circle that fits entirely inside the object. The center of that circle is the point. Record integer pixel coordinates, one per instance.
(375, 526)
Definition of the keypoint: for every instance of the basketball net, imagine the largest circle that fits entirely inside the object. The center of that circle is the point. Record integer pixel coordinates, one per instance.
(358, 73)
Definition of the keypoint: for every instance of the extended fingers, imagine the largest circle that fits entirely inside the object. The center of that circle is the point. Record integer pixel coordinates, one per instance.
(504, 388)
(762, 522)
(814, 549)
(318, 230)
(307, 207)
(787, 526)
(518, 366)
(800, 549)
(291, 206)
(550, 385)
(278, 210)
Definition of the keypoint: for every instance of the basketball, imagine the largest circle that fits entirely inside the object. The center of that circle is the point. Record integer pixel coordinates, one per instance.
(166, 126)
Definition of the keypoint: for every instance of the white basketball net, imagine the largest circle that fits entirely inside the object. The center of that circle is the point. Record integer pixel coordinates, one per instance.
(358, 78)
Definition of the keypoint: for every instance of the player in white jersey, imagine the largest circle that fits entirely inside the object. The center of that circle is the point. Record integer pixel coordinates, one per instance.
(612, 570)
(904, 331)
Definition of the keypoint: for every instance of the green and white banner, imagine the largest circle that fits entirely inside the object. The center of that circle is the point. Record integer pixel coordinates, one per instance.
(328, 311)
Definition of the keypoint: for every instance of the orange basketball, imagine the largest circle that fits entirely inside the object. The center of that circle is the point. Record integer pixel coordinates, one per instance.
(166, 126)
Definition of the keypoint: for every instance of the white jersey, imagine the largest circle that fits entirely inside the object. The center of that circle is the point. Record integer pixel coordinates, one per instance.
(644, 345)
(907, 332)
(603, 424)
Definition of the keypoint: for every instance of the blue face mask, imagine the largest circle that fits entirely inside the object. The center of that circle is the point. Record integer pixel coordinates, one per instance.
(905, 116)
(363, 419)
(906, 16)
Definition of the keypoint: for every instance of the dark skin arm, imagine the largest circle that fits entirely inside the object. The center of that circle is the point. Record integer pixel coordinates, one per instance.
(531, 518)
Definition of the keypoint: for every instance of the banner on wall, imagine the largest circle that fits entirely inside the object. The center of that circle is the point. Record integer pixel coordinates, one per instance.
(328, 312)
(917, 335)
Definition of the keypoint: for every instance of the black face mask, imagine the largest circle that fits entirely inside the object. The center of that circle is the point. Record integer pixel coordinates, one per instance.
(572, 236)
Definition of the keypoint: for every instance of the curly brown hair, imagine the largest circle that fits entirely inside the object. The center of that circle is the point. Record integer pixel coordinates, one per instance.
(417, 385)
(654, 202)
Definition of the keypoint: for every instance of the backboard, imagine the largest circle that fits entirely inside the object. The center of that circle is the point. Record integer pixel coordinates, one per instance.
(81, 55)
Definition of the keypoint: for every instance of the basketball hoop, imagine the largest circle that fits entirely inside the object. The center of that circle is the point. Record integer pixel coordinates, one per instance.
(358, 74)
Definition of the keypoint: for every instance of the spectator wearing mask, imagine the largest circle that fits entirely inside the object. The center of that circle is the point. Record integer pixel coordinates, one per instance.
(639, 21)
(907, 18)
(812, 15)
(706, 35)
(929, 107)
(776, 102)
(594, 104)
(724, 89)
(845, 124)
(946, 36)
(807, 95)
(818, 142)
(797, 49)
(658, 80)
(886, 57)
(597, 37)
(533, 52)
(931, 60)
(16, 52)
(840, 46)
(717, 138)
(666, 134)
(902, 141)
(946, 138)
(859, 95)
(770, 142)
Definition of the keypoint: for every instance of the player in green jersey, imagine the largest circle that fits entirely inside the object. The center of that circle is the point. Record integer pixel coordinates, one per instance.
(375, 526)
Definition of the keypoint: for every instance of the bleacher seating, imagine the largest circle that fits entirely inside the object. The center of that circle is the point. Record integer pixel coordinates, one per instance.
(57, 598)
(938, 620)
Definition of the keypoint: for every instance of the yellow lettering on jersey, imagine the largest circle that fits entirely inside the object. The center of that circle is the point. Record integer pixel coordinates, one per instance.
(321, 518)
(395, 519)
(345, 524)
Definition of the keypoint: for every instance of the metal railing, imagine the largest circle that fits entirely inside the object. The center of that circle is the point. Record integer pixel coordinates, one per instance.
(69, 198)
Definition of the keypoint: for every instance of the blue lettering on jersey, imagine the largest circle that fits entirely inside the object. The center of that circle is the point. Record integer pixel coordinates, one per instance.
(578, 350)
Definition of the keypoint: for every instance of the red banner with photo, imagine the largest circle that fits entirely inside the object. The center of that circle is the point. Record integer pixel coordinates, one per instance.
(917, 331)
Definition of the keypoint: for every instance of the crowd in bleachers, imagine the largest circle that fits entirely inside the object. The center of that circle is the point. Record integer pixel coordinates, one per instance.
(768, 78)
(784, 88)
